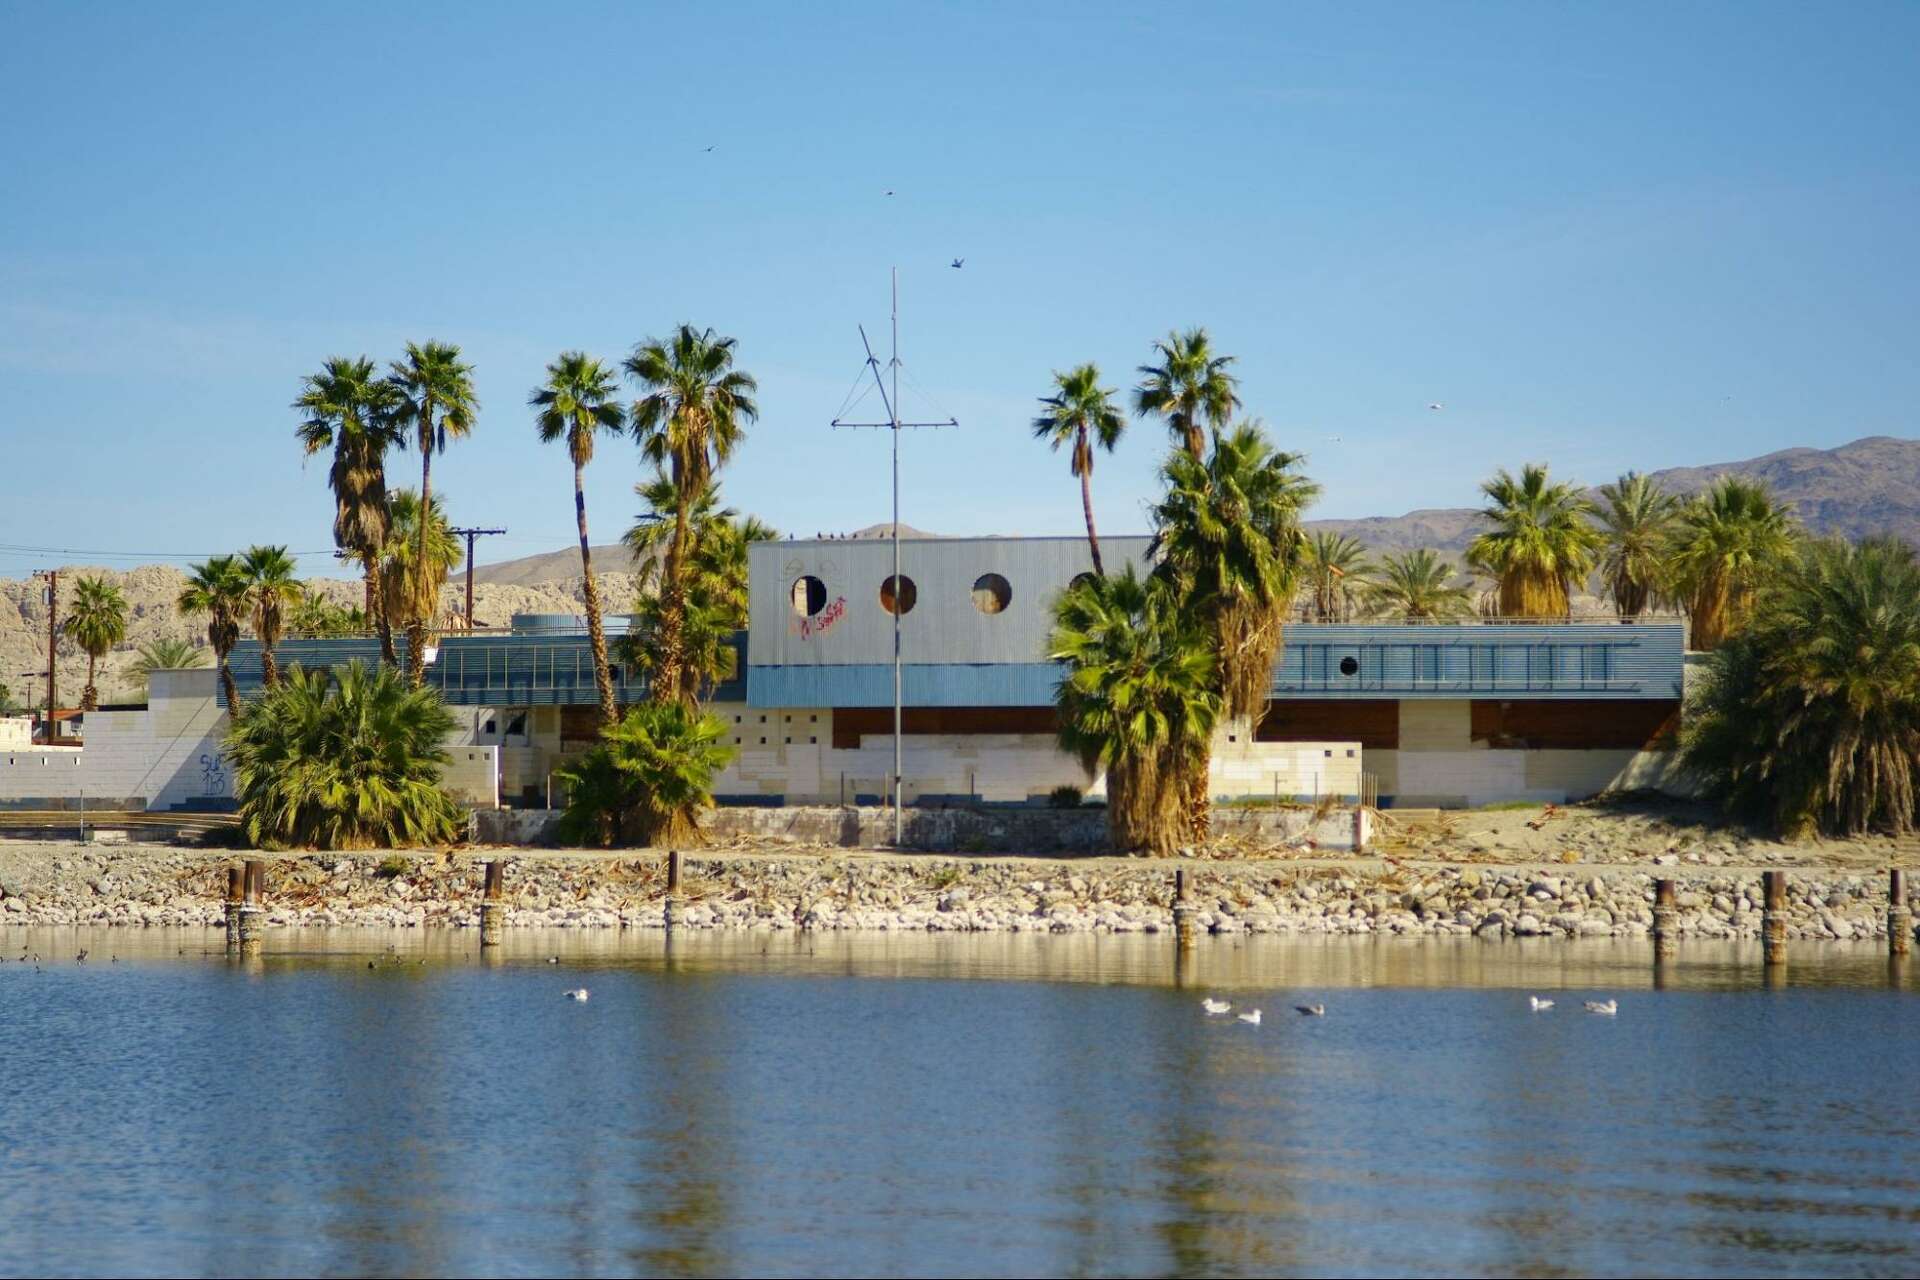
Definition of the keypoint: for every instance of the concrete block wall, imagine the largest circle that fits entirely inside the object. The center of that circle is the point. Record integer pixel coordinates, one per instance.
(165, 754)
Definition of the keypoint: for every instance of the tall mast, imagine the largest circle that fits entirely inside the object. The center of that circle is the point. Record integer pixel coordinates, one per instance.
(891, 399)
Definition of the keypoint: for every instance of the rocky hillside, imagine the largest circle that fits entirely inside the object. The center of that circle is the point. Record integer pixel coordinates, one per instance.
(152, 589)
(1871, 486)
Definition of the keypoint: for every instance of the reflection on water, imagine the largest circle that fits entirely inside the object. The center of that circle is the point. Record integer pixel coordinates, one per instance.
(955, 1105)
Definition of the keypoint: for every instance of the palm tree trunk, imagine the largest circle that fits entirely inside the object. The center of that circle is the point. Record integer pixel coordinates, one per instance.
(269, 666)
(233, 690)
(1086, 505)
(666, 669)
(377, 611)
(596, 636)
(422, 597)
(90, 697)
(1196, 442)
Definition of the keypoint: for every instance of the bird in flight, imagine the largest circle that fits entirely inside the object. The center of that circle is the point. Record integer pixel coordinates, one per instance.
(959, 263)
(1436, 405)
(709, 148)
(889, 193)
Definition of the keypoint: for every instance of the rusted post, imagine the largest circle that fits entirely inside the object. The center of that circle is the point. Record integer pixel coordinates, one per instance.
(1183, 908)
(1663, 920)
(254, 889)
(235, 893)
(1773, 920)
(1899, 915)
(674, 906)
(493, 907)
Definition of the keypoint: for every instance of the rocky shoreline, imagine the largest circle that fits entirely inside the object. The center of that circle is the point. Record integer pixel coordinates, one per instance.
(52, 885)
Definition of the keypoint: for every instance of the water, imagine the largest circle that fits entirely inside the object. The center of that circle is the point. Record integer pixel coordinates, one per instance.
(989, 1105)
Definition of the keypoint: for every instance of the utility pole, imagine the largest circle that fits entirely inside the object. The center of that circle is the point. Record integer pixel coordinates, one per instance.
(53, 632)
(891, 402)
(470, 535)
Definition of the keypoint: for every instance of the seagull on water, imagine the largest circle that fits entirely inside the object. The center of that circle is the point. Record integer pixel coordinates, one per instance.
(1251, 1019)
(553, 959)
(1213, 1006)
(1311, 1010)
(1538, 1005)
(578, 993)
(1603, 1006)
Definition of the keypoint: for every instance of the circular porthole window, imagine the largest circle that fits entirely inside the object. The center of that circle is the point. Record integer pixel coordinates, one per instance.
(899, 595)
(991, 594)
(1349, 666)
(809, 595)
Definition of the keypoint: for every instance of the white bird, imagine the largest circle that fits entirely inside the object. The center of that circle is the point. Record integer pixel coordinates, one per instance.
(1311, 1010)
(1251, 1019)
(1214, 1006)
(1436, 405)
(1603, 1006)
(578, 993)
(1538, 1005)
(553, 959)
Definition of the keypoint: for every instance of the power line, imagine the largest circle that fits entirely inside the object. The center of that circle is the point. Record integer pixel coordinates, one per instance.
(21, 549)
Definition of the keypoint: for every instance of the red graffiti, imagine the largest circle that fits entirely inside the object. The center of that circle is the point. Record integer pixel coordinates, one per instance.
(810, 627)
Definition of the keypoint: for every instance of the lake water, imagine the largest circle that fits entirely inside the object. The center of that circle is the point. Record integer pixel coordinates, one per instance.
(1000, 1105)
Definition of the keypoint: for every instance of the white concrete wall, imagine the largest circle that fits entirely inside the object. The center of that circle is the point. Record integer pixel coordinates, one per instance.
(473, 775)
(16, 732)
(165, 754)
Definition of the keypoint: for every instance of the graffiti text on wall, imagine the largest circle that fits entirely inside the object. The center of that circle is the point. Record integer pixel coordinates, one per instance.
(213, 775)
(811, 627)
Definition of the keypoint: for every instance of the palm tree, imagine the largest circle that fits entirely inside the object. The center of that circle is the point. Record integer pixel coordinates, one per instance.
(167, 654)
(1638, 517)
(436, 390)
(218, 588)
(1724, 544)
(1228, 540)
(1139, 699)
(97, 621)
(1227, 534)
(576, 403)
(1337, 574)
(413, 592)
(271, 591)
(1810, 717)
(347, 759)
(315, 615)
(351, 411)
(715, 598)
(1190, 388)
(693, 411)
(648, 779)
(1541, 544)
(1418, 585)
(1080, 411)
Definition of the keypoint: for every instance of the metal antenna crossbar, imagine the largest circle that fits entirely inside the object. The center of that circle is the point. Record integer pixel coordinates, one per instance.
(891, 402)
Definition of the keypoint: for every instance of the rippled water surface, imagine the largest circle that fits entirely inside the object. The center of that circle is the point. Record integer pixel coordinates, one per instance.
(1054, 1105)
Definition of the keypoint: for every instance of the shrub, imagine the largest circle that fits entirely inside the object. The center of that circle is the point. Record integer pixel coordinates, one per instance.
(1067, 797)
(343, 760)
(647, 781)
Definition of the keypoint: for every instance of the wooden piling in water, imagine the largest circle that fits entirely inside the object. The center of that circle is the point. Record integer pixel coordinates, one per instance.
(1899, 915)
(253, 892)
(1663, 920)
(673, 905)
(1773, 919)
(493, 906)
(235, 894)
(1183, 909)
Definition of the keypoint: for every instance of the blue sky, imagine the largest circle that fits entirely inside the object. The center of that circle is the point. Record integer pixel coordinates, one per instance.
(1603, 236)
